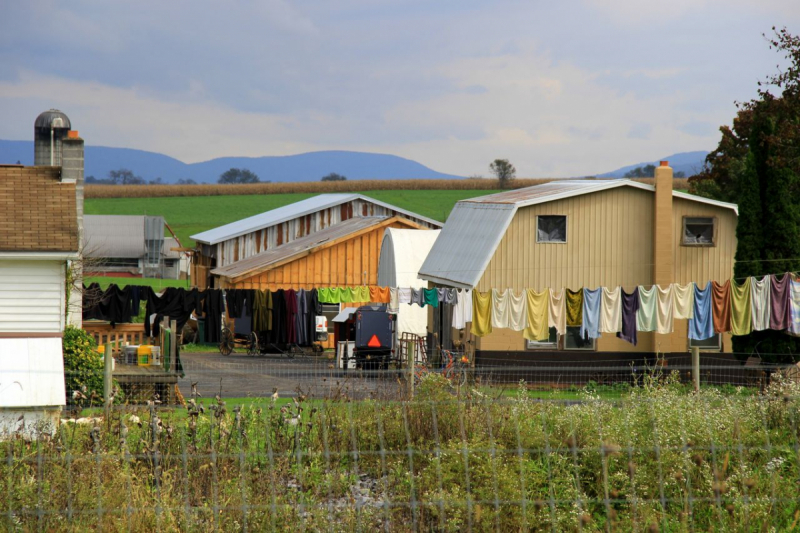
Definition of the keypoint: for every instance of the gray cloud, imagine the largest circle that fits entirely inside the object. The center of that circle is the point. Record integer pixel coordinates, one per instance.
(560, 88)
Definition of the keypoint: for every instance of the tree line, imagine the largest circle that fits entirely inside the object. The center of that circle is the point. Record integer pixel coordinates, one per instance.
(124, 176)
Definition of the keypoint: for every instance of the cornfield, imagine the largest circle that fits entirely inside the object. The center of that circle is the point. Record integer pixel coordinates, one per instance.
(150, 191)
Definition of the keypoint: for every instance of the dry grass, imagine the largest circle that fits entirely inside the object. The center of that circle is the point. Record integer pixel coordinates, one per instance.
(150, 191)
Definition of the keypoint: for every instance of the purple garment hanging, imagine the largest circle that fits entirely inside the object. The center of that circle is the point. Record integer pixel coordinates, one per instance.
(780, 303)
(630, 306)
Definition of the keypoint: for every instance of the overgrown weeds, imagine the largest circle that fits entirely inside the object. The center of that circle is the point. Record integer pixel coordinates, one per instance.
(660, 458)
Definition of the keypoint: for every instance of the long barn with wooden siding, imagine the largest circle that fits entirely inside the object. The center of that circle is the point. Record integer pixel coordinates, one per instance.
(240, 240)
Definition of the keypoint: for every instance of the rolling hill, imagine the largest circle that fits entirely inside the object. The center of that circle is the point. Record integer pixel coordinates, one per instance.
(301, 167)
(689, 163)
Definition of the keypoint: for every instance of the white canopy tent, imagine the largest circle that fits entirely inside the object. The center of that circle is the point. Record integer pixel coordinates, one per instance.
(402, 253)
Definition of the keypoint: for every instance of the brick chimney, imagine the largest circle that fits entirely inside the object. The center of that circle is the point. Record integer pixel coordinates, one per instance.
(663, 228)
(72, 172)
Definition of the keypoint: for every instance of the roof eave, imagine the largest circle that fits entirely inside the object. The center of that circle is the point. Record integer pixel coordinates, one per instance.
(302, 253)
(444, 281)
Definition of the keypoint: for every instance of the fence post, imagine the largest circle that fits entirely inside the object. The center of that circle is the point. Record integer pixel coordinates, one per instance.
(108, 358)
(696, 368)
(173, 346)
(411, 349)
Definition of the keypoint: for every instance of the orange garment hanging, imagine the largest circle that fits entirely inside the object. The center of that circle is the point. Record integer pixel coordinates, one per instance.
(721, 306)
(380, 295)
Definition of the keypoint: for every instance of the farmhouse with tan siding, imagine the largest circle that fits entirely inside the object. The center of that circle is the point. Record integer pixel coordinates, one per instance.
(585, 233)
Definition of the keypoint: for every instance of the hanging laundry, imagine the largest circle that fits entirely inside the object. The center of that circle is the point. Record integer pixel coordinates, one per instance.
(610, 310)
(759, 302)
(262, 311)
(394, 300)
(646, 319)
(794, 290)
(347, 295)
(780, 315)
(431, 297)
(301, 319)
(701, 325)
(290, 321)
(380, 295)
(329, 295)
(683, 300)
(278, 331)
(590, 327)
(417, 297)
(574, 307)
(630, 309)
(500, 310)
(450, 296)
(404, 295)
(509, 310)
(557, 311)
(441, 292)
(721, 306)
(664, 309)
(537, 328)
(462, 310)
(481, 313)
(213, 310)
(741, 313)
(313, 309)
(517, 310)
(234, 299)
(361, 294)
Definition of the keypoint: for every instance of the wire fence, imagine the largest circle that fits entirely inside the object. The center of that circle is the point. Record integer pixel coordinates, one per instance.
(277, 444)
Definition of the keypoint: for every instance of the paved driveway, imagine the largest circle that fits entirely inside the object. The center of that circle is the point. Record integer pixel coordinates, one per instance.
(241, 375)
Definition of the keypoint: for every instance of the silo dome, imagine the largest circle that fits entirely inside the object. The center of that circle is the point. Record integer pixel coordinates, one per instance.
(45, 120)
(49, 129)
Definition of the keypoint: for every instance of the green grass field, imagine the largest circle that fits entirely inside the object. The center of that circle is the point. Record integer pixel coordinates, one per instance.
(189, 215)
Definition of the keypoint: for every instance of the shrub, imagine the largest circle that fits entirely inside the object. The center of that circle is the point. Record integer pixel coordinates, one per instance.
(83, 366)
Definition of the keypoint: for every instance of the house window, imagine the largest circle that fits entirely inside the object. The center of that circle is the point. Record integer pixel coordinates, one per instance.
(551, 343)
(574, 341)
(551, 228)
(699, 231)
(712, 344)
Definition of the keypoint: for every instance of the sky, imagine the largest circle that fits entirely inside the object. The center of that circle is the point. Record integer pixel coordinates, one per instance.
(561, 89)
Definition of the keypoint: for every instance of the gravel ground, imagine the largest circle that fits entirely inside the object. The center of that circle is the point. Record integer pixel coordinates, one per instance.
(241, 375)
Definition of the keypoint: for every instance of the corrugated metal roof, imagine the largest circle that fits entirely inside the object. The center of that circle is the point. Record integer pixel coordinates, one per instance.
(289, 212)
(560, 189)
(467, 242)
(113, 236)
(476, 226)
(297, 246)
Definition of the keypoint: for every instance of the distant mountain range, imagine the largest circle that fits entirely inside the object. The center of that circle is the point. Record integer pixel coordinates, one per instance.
(690, 163)
(301, 167)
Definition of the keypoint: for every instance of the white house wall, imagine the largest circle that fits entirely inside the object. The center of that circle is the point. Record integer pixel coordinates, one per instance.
(31, 296)
(32, 372)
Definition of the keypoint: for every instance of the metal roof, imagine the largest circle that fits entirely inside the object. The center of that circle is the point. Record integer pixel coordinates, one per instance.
(560, 189)
(114, 236)
(308, 243)
(345, 314)
(292, 211)
(476, 226)
(466, 243)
